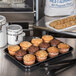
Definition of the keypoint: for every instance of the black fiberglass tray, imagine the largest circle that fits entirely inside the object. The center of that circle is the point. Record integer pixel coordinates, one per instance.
(36, 63)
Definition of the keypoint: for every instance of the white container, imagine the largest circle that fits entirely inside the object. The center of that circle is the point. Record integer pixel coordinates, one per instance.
(59, 7)
(3, 33)
(15, 34)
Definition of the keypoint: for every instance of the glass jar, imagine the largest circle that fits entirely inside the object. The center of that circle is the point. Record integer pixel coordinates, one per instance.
(3, 31)
(15, 34)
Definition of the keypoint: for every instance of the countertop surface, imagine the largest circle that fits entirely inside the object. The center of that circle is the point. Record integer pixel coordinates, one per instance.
(9, 68)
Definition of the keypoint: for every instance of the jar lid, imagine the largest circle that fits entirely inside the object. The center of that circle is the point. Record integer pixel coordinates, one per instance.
(15, 29)
(2, 20)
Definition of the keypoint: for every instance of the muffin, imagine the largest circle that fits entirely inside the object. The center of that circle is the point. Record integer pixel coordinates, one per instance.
(64, 48)
(36, 41)
(29, 59)
(47, 38)
(72, 23)
(55, 42)
(41, 55)
(44, 46)
(12, 49)
(25, 45)
(53, 51)
(19, 55)
(33, 49)
(52, 24)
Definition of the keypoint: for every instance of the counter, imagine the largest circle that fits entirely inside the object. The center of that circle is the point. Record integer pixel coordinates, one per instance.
(9, 68)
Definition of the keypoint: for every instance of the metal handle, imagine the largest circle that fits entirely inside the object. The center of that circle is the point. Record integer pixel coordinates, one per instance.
(65, 66)
(23, 34)
(16, 38)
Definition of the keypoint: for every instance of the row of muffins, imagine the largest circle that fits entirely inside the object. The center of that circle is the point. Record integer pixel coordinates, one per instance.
(38, 49)
(64, 23)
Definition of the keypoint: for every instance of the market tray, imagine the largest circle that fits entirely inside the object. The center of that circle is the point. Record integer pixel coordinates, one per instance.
(60, 30)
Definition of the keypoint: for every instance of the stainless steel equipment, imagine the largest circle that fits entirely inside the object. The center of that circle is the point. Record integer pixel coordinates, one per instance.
(40, 5)
(17, 10)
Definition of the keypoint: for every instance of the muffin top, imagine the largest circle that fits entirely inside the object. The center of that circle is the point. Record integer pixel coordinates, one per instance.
(44, 45)
(63, 46)
(55, 42)
(20, 53)
(53, 50)
(13, 48)
(47, 37)
(33, 49)
(29, 57)
(41, 53)
(25, 44)
(36, 41)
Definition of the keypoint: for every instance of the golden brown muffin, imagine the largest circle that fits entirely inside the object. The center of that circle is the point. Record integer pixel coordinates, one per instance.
(36, 41)
(47, 38)
(52, 24)
(68, 24)
(69, 19)
(72, 23)
(41, 55)
(72, 18)
(12, 49)
(25, 45)
(29, 59)
(59, 27)
(65, 20)
(61, 21)
(64, 48)
(53, 51)
(58, 22)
